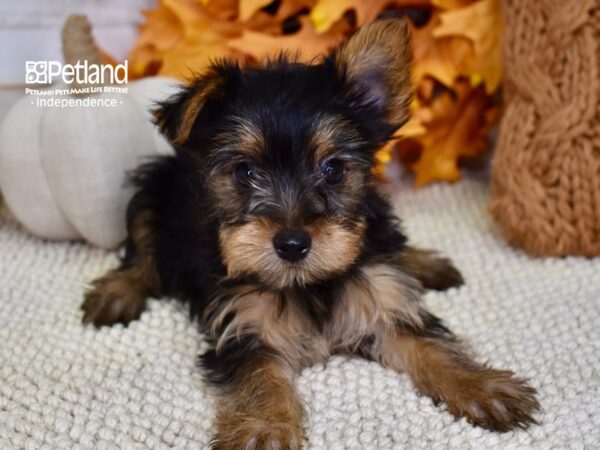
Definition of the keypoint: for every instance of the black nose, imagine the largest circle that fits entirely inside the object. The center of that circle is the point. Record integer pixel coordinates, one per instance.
(291, 245)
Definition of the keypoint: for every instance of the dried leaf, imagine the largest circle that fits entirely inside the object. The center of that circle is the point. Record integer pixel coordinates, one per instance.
(412, 128)
(454, 125)
(249, 7)
(161, 31)
(275, 23)
(162, 28)
(289, 8)
(481, 23)
(306, 43)
(327, 12)
(451, 4)
(176, 47)
(144, 61)
(221, 9)
(445, 59)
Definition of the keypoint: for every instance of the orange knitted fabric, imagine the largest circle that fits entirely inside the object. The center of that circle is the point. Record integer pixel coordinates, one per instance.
(546, 167)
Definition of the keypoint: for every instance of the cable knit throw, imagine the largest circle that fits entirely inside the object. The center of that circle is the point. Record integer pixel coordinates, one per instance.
(546, 169)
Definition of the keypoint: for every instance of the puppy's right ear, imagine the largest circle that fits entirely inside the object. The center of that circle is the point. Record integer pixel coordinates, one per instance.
(176, 116)
(375, 65)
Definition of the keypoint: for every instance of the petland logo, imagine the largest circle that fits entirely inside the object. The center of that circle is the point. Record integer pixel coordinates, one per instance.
(79, 85)
(47, 72)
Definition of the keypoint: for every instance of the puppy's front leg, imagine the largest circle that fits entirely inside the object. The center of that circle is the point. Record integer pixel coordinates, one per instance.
(260, 341)
(379, 315)
(258, 408)
(441, 369)
(120, 295)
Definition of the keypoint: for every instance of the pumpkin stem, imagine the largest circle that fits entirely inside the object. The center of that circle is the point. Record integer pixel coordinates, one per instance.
(78, 45)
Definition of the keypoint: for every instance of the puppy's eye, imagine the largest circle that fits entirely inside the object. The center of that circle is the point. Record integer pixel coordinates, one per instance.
(333, 171)
(243, 174)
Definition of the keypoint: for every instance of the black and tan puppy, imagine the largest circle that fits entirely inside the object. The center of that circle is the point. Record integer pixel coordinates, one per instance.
(268, 223)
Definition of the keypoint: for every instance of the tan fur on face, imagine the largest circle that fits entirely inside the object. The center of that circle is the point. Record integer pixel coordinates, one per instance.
(379, 298)
(326, 135)
(244, 136)
(277, 322)
(381, 46)
(248, 249)
(261, 410)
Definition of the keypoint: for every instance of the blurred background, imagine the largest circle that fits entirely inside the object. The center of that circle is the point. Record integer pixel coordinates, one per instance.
(457, 68)
(30, 30)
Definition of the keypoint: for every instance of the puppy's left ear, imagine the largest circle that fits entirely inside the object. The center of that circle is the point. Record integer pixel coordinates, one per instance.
(176, 116)
(375, 65)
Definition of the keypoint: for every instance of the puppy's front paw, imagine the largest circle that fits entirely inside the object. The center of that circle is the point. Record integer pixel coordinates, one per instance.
(257, 434)
(434, 272)
(493, 399)
(443, 275)
(113, 298)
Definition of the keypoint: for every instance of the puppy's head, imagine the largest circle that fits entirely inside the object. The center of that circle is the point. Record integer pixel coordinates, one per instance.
(286, 150)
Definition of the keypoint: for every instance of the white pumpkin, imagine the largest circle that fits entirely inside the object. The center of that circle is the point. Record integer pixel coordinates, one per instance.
(63, 170)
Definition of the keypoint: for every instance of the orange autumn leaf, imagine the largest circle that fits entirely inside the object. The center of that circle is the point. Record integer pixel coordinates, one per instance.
(244, 10)
(144, 61)
(162, 30)
(289, 8)
(454, 127)
(412, 128)
(306, 43)
(176, 47)
(221, 9)
(327, 12)
(451, 4)
(249, 7)
(481, 23)
(274, 23)
(445, 59)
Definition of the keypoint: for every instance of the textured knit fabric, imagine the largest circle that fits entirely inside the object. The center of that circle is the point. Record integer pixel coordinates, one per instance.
(546, 178)
(63, 385)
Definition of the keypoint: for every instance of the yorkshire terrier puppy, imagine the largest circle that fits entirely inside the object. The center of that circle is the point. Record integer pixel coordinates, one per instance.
(268, 223)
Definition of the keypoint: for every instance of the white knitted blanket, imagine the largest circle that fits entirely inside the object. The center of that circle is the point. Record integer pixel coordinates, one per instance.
(63, 385)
